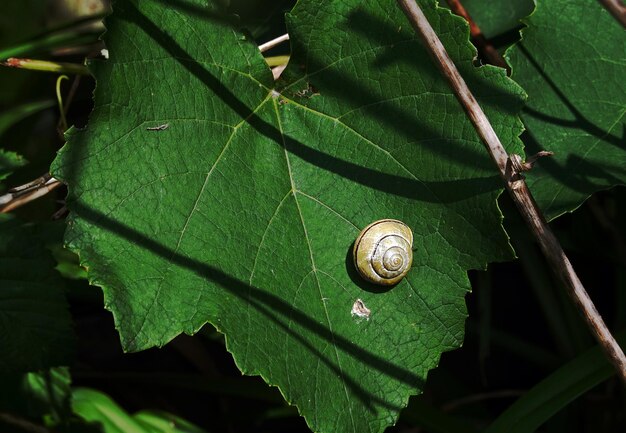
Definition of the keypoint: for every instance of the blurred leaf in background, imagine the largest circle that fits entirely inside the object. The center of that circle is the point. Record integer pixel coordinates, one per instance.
(35, 324)
(97, 407)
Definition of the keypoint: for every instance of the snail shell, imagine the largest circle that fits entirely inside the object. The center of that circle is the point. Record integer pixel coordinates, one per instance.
(383, 252)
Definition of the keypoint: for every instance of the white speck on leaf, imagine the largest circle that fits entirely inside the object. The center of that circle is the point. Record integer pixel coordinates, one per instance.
(360, 310)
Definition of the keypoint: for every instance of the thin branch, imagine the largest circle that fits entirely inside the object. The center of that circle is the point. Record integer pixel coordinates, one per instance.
(277, 71)
(485, 47)
(617, 9)
(33, 184)
(46, 66)
(517, 188)
(273, 43)
(26, 193)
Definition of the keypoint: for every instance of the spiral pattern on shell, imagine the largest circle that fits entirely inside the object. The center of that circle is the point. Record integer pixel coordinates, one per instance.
(383, 251)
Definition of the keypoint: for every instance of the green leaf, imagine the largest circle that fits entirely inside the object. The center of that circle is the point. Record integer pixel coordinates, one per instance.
(556, 391)
(163, 422)
(242, 211)
(571, 62)
(9, 162)
(496, 17)
(67, 262)
(96, 407)
(35, 325)
(38, 395)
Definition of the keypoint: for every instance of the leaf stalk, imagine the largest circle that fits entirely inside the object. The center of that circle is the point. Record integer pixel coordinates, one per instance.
(46, 66)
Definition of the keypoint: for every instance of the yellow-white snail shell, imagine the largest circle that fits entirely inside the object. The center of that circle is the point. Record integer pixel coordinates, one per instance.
(383, 252)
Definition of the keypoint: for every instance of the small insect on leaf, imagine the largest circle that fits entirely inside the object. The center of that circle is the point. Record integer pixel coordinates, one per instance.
(158, 128)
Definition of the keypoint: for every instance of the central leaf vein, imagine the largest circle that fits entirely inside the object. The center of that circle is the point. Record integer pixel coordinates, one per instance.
(319, 288)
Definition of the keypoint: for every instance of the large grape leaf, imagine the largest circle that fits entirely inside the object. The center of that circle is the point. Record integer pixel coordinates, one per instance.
(241, 207)
(571, 61)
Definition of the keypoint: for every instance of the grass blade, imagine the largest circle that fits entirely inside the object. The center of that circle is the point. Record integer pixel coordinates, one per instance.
(555, 392)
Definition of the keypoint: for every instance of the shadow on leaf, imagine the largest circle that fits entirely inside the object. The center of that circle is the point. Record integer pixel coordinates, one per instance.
(455, 190)
(271, 306)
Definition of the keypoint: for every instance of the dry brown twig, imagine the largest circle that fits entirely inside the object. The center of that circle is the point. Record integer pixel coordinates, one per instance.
(517, 188)
(273, 43)
(26, 193)
(276, 71)
(617, 9)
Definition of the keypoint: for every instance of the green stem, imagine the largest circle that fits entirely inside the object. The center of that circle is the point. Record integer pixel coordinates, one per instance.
(46, 66)
(60, 99)
(276, 60)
